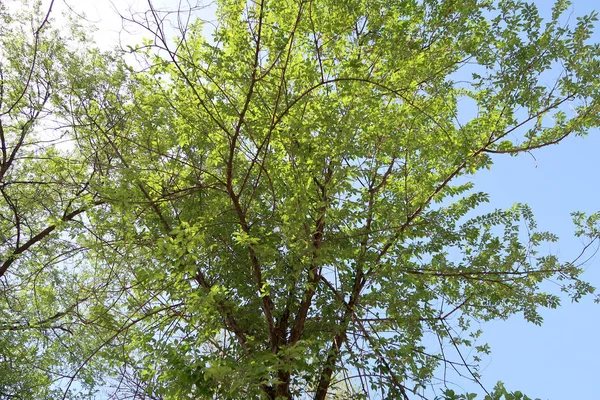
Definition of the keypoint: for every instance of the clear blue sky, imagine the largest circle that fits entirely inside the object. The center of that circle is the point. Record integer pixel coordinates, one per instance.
(559, 360)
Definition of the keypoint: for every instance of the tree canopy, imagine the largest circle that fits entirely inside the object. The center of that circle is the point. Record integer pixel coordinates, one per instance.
(277, 204)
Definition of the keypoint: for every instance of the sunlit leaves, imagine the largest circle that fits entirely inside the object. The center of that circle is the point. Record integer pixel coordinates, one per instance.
(284, 204)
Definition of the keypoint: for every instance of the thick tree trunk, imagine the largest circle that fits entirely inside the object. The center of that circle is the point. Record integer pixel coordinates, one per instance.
(327, 372)
(282, 389)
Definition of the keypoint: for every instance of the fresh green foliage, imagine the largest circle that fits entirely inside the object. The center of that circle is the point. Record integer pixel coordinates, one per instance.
(281, 208)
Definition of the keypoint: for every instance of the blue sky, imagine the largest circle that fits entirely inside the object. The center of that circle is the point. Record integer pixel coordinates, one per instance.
(559, 360)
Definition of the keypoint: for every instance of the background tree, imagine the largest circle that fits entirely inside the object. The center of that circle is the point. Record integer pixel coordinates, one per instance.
(45, 184)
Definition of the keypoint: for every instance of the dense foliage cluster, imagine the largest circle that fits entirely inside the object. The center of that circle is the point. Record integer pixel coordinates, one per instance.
(279, 208)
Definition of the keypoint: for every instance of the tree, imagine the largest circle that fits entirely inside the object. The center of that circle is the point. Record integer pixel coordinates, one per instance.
(282, 210)
(45, 189)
